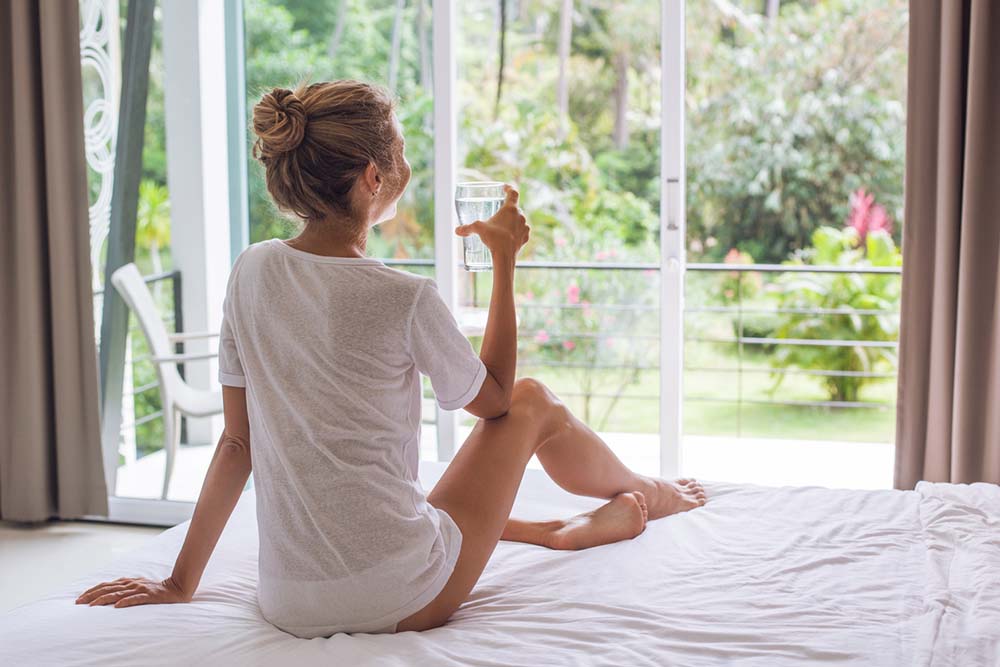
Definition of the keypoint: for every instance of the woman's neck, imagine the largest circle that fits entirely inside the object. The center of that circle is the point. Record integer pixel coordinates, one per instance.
(319, 238)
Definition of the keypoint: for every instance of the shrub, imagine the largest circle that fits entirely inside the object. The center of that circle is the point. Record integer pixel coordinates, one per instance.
(846, 293)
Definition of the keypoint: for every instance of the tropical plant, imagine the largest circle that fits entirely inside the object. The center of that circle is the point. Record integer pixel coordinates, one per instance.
(840, 307)
(153, 224)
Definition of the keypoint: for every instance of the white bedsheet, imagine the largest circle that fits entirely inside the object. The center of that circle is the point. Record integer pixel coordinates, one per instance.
(758, 576)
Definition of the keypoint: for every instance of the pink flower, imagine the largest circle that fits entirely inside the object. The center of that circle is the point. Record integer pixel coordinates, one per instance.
(573, 293)
(560, 241)
(529, 296)
(541, 337)
(610, 342)
(601, 254)
(867, 216)
(568, 344)
(733, 257)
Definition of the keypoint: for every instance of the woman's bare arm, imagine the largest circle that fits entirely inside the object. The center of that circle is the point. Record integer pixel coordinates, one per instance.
(503, 234)
(227, 475)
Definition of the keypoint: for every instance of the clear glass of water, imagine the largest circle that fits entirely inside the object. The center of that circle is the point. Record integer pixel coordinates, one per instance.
(477, 200)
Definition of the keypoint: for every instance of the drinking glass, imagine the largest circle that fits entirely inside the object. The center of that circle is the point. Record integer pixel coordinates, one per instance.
(477, 200)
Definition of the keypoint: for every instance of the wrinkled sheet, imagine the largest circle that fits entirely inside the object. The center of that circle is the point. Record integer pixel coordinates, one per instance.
(761, 576)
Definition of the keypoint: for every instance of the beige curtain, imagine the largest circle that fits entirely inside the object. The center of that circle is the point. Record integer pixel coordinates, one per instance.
(948, 421)
(50, 451)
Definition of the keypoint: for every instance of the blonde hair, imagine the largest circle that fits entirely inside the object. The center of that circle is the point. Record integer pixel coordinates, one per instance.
(316, 141)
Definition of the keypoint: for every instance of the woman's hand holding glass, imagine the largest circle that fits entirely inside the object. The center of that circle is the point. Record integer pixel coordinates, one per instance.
(504, 233)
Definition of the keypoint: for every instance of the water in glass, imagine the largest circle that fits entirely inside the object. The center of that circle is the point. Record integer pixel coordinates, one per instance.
(477, 200)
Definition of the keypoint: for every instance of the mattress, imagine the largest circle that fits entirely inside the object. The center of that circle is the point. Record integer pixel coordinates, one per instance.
(758, 576)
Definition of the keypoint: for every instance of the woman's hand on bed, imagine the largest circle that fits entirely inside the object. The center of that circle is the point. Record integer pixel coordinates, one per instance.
(130, 591)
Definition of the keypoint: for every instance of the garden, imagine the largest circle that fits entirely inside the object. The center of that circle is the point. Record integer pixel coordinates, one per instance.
(794, 158)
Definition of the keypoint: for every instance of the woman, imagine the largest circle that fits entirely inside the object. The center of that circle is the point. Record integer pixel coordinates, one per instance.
(320, 357)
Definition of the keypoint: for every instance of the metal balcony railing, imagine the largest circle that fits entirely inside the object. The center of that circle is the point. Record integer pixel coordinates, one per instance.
(738, 310)
(740, 341)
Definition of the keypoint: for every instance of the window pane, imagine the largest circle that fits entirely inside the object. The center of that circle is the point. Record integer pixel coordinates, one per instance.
(795, 141)
(574, 121)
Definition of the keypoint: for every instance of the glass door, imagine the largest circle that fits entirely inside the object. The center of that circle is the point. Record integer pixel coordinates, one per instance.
(581, 106)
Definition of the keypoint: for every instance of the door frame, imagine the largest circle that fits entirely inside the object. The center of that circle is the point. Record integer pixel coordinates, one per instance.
(672, 234)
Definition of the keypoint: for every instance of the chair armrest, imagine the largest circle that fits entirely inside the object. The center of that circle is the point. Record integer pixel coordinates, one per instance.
(178, 358)
(195, 335)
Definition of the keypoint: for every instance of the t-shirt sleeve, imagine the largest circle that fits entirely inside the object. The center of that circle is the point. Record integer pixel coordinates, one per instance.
(442, 352)
(230, 367)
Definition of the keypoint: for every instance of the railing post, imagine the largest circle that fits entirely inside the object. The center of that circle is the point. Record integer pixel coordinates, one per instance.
(175, 282)
(739, 353)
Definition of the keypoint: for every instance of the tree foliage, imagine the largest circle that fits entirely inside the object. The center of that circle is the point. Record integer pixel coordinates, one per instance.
(784, 123)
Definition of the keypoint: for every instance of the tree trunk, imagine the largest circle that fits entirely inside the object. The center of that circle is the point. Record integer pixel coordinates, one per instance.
(565, 40)
(397, 25)
(621, 61)
(425, 53)
(503, 41)
(338, 30)
(771, 8)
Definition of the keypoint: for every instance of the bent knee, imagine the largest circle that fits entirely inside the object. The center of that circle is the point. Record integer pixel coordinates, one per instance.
(533, 399)
(531, 391)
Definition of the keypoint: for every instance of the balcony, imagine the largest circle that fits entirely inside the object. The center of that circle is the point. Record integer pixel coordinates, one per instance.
(753, 413)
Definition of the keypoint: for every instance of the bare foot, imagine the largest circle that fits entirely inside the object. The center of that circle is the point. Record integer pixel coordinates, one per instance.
(622, 518)
(665, 497)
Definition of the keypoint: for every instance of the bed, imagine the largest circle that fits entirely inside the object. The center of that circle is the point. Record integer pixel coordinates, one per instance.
(759, 576)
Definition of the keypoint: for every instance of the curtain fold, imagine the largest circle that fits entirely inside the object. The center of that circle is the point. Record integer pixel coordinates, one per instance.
(50, 451)
(948, 406)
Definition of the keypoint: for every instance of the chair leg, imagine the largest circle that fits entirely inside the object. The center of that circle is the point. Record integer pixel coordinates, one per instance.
(171, 441)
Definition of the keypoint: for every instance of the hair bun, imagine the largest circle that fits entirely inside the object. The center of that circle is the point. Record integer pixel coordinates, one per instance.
(279, 120)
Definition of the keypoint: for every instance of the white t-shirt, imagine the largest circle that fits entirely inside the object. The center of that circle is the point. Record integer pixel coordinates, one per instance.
(330, 350)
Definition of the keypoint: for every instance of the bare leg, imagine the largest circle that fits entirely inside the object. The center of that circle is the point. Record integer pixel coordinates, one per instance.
(622, 518)
(579, 461)
(478, 488)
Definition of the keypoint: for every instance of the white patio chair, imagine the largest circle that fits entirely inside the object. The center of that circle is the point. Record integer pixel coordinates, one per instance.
(177, 396)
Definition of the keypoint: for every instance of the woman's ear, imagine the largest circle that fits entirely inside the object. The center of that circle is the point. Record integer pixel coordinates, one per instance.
(372, 179)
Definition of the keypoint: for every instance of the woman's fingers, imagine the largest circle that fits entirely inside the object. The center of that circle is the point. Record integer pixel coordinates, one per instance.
(121, 584)
(113, 596)
(102, 589)
(134, 599)
(512, 195)
(471, 228)
(126, 592)
(102, 585)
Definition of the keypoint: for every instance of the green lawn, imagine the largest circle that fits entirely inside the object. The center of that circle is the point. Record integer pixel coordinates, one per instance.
(638, 408)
